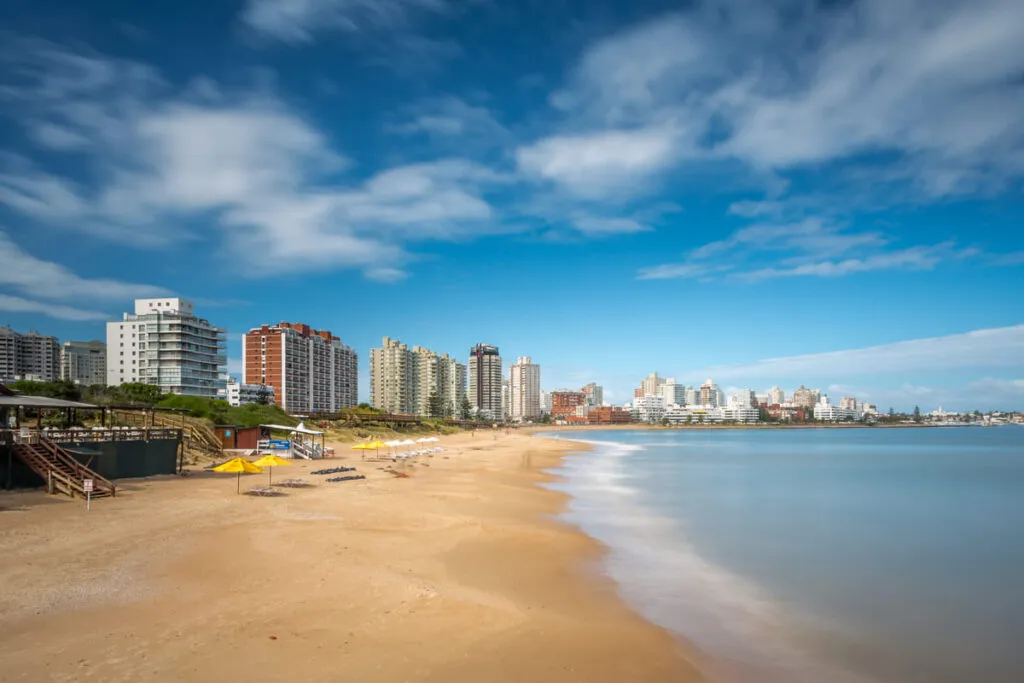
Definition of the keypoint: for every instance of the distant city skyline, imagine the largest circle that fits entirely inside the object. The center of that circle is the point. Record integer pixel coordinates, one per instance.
(581, 183)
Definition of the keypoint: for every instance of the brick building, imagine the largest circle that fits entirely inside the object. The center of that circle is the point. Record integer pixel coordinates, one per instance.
(609, 415)
(565, 402)
(311, 371)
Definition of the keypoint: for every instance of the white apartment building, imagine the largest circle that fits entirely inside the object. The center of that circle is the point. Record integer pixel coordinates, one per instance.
(165, 345)
(776, 396)
(30, 356)
(826, 411)
(594, 393)
(83, 363)
(403, 380)
(392, 373)
(524, 388)
(651, 384)
(649, 408)
(710, 395)
(692, 396)
(485, 381)
(673, 393)
(437, 374)
(238, 394)
(745, 398)
(506, 399)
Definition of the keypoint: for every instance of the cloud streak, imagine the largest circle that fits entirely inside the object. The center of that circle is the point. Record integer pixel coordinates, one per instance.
(297, 21)
(998, 347)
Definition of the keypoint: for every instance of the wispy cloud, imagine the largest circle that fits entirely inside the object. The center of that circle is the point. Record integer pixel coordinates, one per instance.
(999, 347)
(296, 21)
(811, 247)
(17, 304)
(594, 164)
(248, 166)
(925, 93)
(47, 280)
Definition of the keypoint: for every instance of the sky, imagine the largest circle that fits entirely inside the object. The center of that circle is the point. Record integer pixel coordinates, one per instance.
(825, 193)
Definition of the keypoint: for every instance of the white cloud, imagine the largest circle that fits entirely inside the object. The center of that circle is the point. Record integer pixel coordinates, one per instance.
(296, 21)
(45, 279)
(811, 247)
(452, 119)
(17, 304)
(999, 347)
(248, 167)
(598, 163)
(932, 86)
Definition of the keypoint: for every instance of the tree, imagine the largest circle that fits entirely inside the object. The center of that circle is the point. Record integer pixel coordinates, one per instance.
(465, 409)
(917, 414)
(262, 396)
(138, 393)
(434, 407)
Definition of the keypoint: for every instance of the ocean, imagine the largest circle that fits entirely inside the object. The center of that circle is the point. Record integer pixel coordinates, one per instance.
(817, 555)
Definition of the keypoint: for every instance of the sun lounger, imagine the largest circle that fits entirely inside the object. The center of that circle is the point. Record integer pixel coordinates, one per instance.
(264, 491)
(294, 484)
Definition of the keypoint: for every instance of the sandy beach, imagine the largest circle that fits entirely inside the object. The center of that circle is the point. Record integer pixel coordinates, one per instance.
(459, 572)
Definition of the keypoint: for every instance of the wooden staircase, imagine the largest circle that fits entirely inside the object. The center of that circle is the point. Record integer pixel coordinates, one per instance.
(61, 472)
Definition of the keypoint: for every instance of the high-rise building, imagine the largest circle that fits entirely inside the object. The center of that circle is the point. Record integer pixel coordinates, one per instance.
(673, 393)
(776, 396)
(745, 398)
(392, 371)
(404, 380)
(311, 371)
(440, 375)
(594, 394)
(710, 394)
(524, 383)
(83, 363)
(506, 399)
(804, 398)
(546, 403)
(650, 386)
(848, 403)
(30, 356)
(692, 396)
(164, 344)
(485, 378)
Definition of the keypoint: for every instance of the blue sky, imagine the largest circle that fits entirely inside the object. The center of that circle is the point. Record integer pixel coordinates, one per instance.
(612, 188)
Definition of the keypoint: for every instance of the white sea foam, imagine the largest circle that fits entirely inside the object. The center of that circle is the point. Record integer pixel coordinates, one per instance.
(667, 580)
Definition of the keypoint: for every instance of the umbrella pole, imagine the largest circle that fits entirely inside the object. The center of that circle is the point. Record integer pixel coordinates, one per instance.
(238, 486)
(270, 471)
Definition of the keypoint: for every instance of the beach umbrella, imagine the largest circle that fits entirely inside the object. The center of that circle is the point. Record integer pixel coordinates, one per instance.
(423, 440)
(270, 462)
(238, 465)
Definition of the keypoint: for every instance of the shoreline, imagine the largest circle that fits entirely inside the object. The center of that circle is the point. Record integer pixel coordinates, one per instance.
(461, 572)
(719, 427)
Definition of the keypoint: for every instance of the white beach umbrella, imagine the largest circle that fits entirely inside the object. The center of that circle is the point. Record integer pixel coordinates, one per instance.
(425, 439)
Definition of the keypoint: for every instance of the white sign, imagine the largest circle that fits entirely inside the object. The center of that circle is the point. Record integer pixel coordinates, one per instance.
(87, 485)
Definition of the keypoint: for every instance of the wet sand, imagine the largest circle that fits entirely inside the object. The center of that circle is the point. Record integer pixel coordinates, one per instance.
(459, 572)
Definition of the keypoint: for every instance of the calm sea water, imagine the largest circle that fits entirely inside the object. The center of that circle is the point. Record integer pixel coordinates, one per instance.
(819, 556)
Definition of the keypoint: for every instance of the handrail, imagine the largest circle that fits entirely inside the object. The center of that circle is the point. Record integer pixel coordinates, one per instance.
(77, 468)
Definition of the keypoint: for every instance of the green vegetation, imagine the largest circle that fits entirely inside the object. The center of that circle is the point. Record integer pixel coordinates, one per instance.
(220, 412)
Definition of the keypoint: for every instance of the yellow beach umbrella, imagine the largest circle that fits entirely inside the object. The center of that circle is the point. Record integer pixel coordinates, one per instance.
(369, 446)
(270, 462)
(238, 465)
